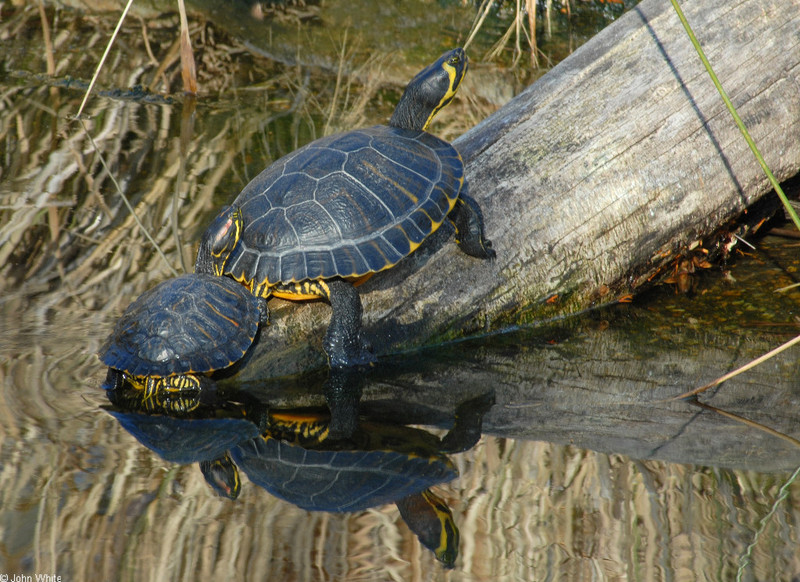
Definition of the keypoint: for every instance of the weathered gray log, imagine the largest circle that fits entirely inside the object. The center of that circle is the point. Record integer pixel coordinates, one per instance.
(595, 176)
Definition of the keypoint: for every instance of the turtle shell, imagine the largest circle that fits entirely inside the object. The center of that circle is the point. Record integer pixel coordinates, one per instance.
(345, 206)
(190, 324)
(338, 480)
(186, 440)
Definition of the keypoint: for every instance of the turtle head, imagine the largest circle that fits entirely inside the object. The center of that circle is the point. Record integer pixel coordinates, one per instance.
(432, 89)
(223, 476)
(431, 520)
(218, 241)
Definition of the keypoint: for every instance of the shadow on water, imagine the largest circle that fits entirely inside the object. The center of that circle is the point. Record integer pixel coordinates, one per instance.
(584, 468)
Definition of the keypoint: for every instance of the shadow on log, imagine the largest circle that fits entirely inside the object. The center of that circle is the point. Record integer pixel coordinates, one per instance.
(593, 178)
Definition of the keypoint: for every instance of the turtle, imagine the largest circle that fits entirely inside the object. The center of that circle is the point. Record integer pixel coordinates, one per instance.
(296, 459)
(204, 441)
(180, 331)
(201, 435)
(334, 212)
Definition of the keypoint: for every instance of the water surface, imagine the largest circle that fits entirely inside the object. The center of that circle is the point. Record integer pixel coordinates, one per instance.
(586, 469)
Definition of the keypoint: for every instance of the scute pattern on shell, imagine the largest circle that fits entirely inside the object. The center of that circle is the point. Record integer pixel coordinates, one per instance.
(346, 205)
(345, 480)
(190, 324)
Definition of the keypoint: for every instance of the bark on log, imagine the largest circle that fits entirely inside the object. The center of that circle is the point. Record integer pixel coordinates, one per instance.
(595, 176)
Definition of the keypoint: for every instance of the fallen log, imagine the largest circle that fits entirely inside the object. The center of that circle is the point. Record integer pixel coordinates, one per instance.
(595, 177)
(596, 385)
(606, 379)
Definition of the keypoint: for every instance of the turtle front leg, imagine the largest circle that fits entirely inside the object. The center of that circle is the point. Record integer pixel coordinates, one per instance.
(467, 218)
(343, 342)
(343, 393)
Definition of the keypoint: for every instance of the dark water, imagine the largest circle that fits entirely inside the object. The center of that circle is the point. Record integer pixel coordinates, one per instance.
(586, 469)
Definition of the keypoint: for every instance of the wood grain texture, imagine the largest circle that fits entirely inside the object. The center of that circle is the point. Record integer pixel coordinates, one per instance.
(592, 178)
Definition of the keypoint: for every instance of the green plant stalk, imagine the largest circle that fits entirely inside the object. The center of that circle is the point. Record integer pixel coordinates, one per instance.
(745, 558)
(789, 210)
(783, 493)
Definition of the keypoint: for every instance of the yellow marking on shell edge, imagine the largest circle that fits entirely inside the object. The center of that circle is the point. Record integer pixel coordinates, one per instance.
(292, 417)
(250, 286)
(303, 291)
(295, 296)
(304, 427)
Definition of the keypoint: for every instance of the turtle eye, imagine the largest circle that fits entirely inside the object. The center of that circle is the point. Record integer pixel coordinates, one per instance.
(218, 241)
(453, 60)
(224, 241)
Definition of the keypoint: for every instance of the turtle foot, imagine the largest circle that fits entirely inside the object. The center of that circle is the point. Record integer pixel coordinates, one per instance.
(343, 341)
(347, 352)
(468, 220)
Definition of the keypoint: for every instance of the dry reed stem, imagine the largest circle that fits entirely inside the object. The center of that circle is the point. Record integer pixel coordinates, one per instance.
(65, 224)
(188, 71)
(741, 369)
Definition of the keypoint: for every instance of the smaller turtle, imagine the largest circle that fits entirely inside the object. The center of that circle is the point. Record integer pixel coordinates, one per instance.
(182, 330)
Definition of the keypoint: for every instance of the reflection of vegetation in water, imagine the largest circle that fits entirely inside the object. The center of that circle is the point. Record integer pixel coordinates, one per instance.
(525, 509)
(655, 518)
(63, 223)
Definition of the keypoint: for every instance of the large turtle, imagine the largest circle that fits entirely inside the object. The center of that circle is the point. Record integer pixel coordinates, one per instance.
(181, 330)
(341, 208)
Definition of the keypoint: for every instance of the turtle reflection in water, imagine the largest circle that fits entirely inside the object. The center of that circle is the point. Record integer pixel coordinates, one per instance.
(380, 463)
(192, 433)
(293, 456)
(174, 335)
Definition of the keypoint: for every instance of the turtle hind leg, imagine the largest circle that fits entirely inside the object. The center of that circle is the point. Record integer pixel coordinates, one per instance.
(468, 426)
(343, 342)
(466, 216)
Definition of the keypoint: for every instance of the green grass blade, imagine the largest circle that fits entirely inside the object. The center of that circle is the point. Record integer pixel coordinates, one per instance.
(789, 210)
